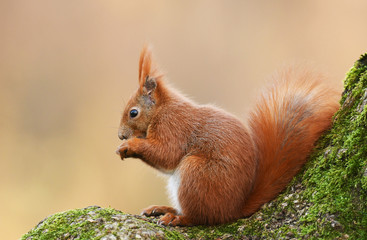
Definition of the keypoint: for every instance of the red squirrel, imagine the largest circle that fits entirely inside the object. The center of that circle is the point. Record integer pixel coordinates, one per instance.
(220, 169)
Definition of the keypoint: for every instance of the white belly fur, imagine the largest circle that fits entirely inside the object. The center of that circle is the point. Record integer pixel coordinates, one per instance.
(172, 188)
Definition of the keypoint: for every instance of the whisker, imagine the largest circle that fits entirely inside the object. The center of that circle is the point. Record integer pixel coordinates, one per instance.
(124, 101)
(113, 127)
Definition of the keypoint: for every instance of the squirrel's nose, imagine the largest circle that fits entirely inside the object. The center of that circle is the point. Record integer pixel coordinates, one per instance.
(122, 136)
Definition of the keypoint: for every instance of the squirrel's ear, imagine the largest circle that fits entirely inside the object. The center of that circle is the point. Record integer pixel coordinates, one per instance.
(148, 73)
(150, 85)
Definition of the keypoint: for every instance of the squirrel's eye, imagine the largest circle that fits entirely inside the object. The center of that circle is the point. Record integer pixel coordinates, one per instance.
(134, 113)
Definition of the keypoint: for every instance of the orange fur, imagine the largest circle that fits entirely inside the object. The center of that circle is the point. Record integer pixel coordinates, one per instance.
(220, 170)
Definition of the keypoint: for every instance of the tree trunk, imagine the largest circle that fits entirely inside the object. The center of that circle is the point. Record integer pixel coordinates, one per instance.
(327, 200)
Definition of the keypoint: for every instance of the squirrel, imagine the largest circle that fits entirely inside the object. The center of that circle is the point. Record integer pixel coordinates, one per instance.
(220, 169)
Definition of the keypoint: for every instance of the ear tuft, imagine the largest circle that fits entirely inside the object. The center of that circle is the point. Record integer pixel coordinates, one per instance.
(148, 72)
(145, 63)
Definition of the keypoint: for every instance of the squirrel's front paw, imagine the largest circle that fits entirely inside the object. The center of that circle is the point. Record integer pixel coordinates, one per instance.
(124, 150)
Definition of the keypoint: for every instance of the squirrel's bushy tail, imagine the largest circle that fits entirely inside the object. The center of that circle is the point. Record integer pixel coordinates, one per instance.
(285, 124)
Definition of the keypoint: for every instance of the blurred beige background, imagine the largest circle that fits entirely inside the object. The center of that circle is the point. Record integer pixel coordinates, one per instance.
(66, 68)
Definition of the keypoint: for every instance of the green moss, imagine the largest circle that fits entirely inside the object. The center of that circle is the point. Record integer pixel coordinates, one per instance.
(59, 226)
(96, 223)
(334, 181)
(227, 231)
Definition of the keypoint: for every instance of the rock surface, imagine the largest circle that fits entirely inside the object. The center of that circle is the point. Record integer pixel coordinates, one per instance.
(327, 200)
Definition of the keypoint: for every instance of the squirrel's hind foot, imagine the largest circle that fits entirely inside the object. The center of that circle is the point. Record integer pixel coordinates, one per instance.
(170, 219)
(158, 210)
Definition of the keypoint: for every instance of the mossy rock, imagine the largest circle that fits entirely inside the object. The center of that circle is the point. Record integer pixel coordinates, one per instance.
(327, 200)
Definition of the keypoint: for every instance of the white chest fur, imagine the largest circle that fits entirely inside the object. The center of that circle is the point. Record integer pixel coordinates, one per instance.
(172, 188)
